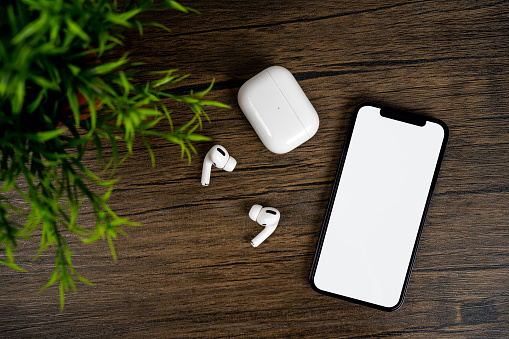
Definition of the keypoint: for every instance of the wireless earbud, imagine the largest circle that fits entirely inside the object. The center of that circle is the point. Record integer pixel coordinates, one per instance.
(265, 216)
(219, 157)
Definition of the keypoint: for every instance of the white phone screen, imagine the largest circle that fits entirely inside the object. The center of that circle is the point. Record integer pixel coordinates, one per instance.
(379, 203)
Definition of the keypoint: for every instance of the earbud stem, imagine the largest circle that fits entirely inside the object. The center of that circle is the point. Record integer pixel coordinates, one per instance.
(205, 174)
(263, 235)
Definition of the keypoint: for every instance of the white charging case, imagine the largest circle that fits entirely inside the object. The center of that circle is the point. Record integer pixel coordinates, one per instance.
(278, 109)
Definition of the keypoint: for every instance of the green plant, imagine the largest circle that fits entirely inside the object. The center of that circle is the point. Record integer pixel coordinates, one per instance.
(57, 99)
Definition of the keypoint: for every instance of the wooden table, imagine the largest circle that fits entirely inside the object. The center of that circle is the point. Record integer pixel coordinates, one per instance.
(190, 271)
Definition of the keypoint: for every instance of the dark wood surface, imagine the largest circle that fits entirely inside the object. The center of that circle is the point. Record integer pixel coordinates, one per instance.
(190, 271)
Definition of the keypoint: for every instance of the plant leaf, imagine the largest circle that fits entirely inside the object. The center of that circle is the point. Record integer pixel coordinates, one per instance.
(44, 136)
(76, 29)
(30, 29)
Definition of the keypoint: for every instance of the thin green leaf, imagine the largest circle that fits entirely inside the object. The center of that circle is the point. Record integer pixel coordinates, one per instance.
(139, 25)
(112, 247)
(213, 103)
(149, 149)
(123, 19)
(175, 5)
(44, 136)
(44, 83)
(12, 265)
(61, 294)
(54, 278)
(80, 278)
(107, 67)
(73, 102)
(76, 29)
(197, 137)
(156, 24)
(74, 69)
(30, 29)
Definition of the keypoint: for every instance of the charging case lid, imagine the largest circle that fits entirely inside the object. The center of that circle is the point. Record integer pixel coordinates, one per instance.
(278, 109)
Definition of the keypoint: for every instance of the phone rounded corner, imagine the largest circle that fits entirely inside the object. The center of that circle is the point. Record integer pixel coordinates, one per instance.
(365, 103)
(311, 280)
(397, 306)
(318, 290)
(311, 276)
(445, 128)
(442, 126)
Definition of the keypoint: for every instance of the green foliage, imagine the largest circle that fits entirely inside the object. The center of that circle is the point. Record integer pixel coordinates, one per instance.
(57, 99)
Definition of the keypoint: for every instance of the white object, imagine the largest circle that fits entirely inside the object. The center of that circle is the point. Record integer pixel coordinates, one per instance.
(278, 109)
(267, 217)
(219, 157)
(378, 208)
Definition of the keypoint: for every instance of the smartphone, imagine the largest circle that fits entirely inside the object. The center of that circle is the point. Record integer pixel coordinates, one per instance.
(377, 209)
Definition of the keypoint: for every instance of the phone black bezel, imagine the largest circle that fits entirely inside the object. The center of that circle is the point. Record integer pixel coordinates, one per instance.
(407, 117)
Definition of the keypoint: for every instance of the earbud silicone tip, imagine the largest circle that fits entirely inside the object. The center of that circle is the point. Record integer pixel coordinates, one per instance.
(254, 212)
(230, 164)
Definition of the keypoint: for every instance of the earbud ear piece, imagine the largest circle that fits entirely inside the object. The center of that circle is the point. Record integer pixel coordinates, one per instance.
(230, 164)
(254, 211)
(267, 217)
(219, 157)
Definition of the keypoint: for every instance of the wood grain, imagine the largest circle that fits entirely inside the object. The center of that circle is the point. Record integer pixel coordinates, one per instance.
(190, 272)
